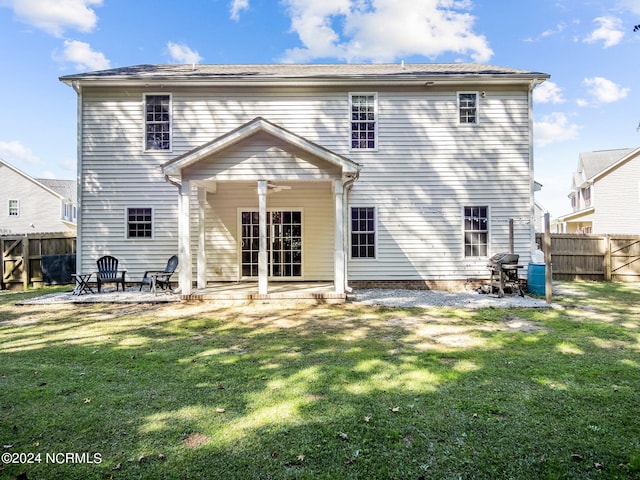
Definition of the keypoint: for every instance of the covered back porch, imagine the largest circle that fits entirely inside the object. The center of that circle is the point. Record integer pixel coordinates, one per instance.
(261, 206)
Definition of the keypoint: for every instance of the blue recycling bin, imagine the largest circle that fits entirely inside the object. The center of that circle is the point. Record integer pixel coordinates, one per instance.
(536, 279)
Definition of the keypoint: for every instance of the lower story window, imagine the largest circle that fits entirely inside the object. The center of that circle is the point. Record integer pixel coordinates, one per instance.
(476, 231)
(139, 222)
(363, 232)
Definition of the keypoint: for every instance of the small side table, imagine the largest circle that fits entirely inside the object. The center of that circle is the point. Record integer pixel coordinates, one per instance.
(82, 283)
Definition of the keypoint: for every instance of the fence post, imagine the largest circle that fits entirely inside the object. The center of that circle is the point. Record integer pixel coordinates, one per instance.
(548, 285)
(2, 263)
(26, 268)
(607, 258)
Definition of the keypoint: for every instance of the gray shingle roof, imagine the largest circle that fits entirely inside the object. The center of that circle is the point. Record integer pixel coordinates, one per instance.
(65, 188)
(300, 71)
(593, 163)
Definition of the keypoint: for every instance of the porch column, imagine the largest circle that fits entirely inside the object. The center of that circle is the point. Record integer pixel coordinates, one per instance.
(184, 239)
(339, 250)
(263, 267)
(202, 252)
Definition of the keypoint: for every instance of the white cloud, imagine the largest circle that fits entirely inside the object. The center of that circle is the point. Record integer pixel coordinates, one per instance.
(181, 53)
(603, 91)
(14, 152)
(548, 92)
(236, 7)
(610, 31)
(632, 6)
(383, 30)
(84, 58)
(56, 16)
(554, 128)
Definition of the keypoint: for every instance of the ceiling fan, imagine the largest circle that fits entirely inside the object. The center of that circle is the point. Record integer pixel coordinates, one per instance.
(274, 188)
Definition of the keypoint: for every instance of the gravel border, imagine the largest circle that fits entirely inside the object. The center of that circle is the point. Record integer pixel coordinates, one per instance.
(436, 298)
(370, 296)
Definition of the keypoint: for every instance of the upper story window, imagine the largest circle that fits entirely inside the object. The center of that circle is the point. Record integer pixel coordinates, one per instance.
(364, 124)
(157, 111)
(467, 107)
(139, 223)
(586, 193)
(14, 208)
(476, 231)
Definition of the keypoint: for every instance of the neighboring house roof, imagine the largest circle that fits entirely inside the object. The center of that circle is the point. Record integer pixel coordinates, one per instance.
(592, 164)
(322, 73)
(31, 179)
(65, 188)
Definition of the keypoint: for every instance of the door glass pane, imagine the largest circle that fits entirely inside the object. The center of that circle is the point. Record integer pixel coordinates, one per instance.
(284, 243)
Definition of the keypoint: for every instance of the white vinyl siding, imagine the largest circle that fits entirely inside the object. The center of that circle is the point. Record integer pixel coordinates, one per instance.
(428, 169)
(615, 200)
(38, 208)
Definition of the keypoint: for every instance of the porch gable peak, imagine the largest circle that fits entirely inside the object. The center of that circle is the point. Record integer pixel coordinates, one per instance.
(174, 167)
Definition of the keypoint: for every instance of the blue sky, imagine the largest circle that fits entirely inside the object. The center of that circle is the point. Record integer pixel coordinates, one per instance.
(591, 102)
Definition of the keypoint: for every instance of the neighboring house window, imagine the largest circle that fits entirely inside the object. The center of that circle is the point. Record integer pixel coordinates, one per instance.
(476, 231)
(14, 208)
(363, 232)
(587, 197)
(139, 222)
(364, 123)
(468, 107)
(157, 110)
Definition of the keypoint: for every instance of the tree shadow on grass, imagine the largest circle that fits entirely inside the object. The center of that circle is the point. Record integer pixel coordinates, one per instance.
(308, 392)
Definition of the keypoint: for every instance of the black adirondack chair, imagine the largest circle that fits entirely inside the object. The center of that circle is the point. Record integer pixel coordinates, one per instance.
(108, 272)
(157, 278)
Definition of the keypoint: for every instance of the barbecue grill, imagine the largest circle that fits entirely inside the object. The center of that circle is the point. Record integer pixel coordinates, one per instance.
(504, 273)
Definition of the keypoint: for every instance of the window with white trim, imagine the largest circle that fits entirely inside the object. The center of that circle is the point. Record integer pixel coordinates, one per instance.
(157, 128)
(364, 125)
(14, 208)
(476, 231)
(467, 107)
(363, 232)
(139, 222)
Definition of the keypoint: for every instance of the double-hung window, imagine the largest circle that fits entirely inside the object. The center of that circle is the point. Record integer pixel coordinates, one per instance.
(476, 231)
(363, 232)
(364, 122)
(467, 108)
(157, 128)
(14, 208)
(139, 223)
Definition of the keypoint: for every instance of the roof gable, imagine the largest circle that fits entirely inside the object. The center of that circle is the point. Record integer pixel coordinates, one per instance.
(31, 179)
(244, 132)
(596, 164)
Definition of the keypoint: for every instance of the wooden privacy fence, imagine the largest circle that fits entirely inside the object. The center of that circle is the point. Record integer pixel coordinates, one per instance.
(21, 255)
(595, 257)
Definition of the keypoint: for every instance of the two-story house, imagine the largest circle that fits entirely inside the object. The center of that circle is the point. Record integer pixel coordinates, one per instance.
(357, 174)
(605, 193)
(32, 205)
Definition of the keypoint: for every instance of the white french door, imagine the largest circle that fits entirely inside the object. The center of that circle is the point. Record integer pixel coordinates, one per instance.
(284, 244)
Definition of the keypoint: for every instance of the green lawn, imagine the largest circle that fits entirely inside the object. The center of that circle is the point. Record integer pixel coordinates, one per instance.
(204, 391)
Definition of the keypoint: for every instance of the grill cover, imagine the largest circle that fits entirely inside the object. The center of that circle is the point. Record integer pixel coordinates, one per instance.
(503, 259)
